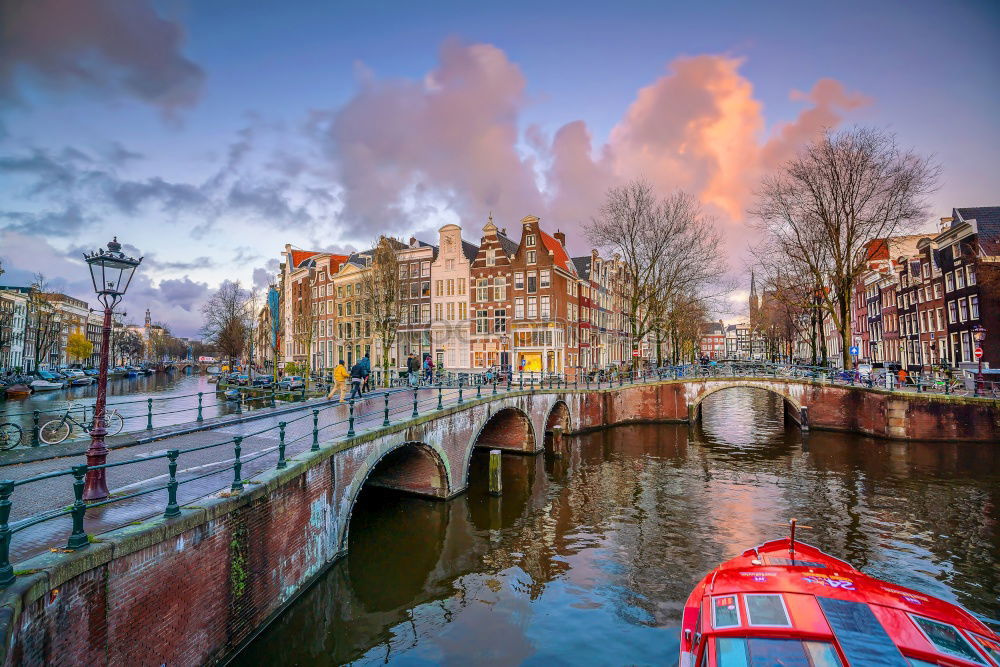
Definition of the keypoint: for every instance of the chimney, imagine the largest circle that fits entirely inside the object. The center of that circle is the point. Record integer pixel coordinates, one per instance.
(413, 241)
(560, 237)
(503, 231)
(946, 222)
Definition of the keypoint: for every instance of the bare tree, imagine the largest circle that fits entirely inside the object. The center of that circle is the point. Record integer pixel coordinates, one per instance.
(43, 320)
(671, 252)
(380, 298)
(225, 320)
(840, 193)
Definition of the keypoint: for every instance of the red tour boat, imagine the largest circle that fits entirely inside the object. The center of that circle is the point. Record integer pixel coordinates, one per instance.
(787, 603)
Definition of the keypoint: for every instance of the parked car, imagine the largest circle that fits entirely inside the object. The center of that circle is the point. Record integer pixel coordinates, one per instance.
(242, 379)
(263, 381)
(291, 382)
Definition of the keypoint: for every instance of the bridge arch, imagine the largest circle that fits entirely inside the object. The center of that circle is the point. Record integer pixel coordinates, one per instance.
(408, 466)
(558, 415)
(509, 428)
(793, 407)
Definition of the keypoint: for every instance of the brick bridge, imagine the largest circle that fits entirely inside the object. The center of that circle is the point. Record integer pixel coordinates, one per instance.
(194, 588)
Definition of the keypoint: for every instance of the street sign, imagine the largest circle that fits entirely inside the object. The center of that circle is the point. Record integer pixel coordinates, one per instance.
(854, 350)
(978, 352)
(635, 353)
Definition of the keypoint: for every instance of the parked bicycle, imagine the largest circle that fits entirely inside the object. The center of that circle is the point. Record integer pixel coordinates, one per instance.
(10, 436)
(56, 430)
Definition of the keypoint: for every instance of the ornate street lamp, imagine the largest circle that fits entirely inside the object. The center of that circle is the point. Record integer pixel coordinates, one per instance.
(979, 335)
(111, 272)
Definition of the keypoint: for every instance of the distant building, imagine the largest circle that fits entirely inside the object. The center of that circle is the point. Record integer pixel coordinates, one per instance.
(712, 342)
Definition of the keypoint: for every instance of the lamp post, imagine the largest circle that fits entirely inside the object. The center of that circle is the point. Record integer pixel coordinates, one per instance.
(979, 335)
(111, 272)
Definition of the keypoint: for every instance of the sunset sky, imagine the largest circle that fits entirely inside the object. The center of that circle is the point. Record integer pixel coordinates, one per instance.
(206, 135)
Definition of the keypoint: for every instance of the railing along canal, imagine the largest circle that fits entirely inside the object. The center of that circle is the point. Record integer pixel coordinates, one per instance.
(426, 398)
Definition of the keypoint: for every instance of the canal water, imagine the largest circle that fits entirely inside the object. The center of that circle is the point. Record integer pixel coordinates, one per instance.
(589, 559)
(174, 395)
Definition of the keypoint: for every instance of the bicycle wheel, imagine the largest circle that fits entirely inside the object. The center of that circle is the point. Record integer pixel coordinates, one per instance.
(114, 423)
(10, 435)
(54, 431)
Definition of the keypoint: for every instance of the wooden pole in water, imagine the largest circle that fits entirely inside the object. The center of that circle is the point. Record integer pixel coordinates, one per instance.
(496, 485)
(557, 441)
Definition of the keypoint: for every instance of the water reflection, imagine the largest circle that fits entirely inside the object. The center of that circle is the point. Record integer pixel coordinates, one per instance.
(589, 558)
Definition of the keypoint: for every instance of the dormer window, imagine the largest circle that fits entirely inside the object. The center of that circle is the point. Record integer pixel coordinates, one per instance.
(529, 240)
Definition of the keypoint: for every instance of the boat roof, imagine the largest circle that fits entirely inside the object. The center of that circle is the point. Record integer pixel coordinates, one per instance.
(823, 598)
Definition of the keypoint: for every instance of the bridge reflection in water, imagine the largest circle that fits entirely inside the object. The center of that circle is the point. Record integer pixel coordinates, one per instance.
(589, 558)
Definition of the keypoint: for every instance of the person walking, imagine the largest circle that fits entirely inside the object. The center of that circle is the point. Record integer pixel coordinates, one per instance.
(412, 370)
(357, 377)
(340, 376)
(429, 369)
(902, 377)
(366, 363)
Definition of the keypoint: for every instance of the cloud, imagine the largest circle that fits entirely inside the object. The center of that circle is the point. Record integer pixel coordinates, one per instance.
(176, 301)
(263, 276)
(68, 220)
(446, 141)
(114, 47)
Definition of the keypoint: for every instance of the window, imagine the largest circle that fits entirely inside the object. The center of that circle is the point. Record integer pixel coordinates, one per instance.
(437, 311)
(966, 347)
(532, 283)
(414, 290)
(415, 270)
(450, 287)
(937, 290)
(758, 651)
(963, 310)
(449, 264)
(956, 251)
(952, 312)
(461, 286)
(532, 307)
(959, 279)
(350, 291)
(519, 308)
(990, 646)
(414, 314)
(725, 612)
(425, 269)
(766, 609)
(949, 282)
(425, 288)
(349, 304)
(482, 322)
(500, 321)
(463, 310)
(529, 240)
(438, 288)
(974, 307)
(402, 270)
(531, 257)
(482, 289)
(491, 257)
(544, 279)
(971, 270)
(546, 312)
(451, 311)
(518, 281)
(947, 639)
(499, 288)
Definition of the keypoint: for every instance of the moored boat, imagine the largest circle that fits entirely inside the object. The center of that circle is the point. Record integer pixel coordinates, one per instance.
(788, 603)
(47, 381)
(18, 391)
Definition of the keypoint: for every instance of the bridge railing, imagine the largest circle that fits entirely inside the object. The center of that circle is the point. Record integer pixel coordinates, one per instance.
(410, 404)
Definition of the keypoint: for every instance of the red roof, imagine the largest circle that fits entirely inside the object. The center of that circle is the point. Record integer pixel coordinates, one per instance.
(558, 252)
(299, 256)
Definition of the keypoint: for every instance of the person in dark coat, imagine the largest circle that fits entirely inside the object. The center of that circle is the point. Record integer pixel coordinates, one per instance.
(357, 377)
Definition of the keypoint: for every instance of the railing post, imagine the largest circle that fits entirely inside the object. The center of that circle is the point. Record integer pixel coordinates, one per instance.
(440, 403)
(350, 419)
(315, 445)
(78, 538)
(281, 445)
(479, 391)
(199, 406)
(415, 413)
(237, 486)
(274, 401)
(303, 390)
(239, 403)
(172, 508)
(149, 413)
(385, 417)
(494, 387)
(6, 569)
(460, 401)
(34, 429)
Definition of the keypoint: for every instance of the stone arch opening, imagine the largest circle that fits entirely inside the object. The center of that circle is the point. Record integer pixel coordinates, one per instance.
(558, 416)
(412, 468)
(792, 409)
(509, 429)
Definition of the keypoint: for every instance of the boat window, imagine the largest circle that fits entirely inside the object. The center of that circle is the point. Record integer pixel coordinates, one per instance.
(760, 652)
(991, 646)
(725, 612)
(914, 662)
(778, 560)
(766, 609)
(946, 638)
(862, 638)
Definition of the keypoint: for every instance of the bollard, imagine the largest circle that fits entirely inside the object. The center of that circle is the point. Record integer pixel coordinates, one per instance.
(239, 403)
(385, 418)
(509, 379)
(415, 413)
(315, 445)
(303, 390)
(350, 419)
(557, 442)
(34, 430)
(149, 413)
(479, 391)
(460, 401)
(274, 401)
(199, 407)
(237, 486)
(521, 381)
(6, 569)
(281, 445)
(494, 387)
(173, 509)
(496, 480)
(587, 382)
(440, 403)
(78, 538)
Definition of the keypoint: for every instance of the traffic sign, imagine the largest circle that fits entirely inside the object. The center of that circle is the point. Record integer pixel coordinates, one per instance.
(978, 352)
(854, 350)
(635, 353)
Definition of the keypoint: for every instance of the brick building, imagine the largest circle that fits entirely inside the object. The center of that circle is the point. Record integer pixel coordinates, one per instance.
(414, 333)
(451, 318)
(491, 304)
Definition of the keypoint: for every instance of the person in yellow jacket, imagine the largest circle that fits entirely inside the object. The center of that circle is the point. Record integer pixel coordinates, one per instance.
(340, 376)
